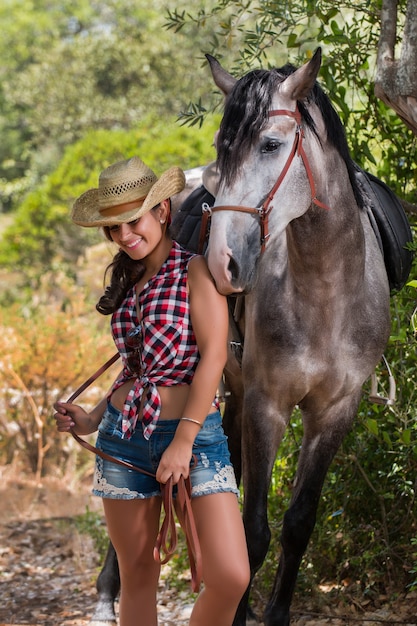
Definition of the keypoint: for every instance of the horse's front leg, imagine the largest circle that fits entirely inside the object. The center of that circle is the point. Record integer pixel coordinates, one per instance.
(108, 587)
(262, 432)
(323, 435)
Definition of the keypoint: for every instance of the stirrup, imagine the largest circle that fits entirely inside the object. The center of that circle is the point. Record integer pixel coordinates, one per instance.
(374, 396)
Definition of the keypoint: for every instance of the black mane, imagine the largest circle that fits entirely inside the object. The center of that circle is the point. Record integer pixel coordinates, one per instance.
(246, 114)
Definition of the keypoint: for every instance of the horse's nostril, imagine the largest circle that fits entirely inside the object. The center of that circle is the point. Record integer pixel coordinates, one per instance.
(233, 269)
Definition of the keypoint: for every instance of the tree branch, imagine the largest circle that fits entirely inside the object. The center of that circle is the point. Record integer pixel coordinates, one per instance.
(388, 34)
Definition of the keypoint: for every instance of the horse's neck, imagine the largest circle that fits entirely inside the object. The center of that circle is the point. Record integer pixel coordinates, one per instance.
(315, 249)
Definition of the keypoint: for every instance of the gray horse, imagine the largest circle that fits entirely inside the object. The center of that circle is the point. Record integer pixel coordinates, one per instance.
(289, 233)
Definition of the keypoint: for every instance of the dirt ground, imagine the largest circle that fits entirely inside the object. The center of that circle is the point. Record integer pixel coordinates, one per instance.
(48, 569)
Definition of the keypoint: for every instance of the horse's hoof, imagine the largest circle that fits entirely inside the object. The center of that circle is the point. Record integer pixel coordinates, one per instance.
(104, 614)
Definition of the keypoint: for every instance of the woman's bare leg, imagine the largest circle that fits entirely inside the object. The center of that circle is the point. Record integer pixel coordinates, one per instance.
(225, 559)
(133, 528)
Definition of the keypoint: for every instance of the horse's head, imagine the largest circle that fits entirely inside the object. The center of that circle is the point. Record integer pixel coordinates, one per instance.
(259, 150)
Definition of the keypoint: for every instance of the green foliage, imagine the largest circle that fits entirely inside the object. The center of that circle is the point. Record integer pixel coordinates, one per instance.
(42, 235)
(75, 66)
(255, 34)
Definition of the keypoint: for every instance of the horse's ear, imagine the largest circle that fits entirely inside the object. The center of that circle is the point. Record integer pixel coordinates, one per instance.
(224, 81)
(299, 84)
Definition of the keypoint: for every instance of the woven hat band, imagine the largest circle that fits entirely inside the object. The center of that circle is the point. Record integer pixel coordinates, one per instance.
(118, 209)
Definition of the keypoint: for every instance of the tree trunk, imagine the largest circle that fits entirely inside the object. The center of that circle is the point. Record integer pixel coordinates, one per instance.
(396, 78)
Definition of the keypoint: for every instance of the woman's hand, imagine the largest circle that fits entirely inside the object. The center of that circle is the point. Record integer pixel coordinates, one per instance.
(71, 416)
(175, 462)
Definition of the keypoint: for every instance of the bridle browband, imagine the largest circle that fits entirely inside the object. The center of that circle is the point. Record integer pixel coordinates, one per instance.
(264, 210)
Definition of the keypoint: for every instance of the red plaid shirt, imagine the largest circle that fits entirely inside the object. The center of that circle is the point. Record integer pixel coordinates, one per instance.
(169, 352)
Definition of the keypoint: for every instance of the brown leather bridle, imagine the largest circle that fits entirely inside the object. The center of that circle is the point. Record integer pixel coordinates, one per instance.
(264, 210)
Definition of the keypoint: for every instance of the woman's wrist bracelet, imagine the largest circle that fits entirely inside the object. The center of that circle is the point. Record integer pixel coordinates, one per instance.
(188, 419)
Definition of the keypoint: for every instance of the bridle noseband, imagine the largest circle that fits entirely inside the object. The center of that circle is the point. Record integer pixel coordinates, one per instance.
(264, 210)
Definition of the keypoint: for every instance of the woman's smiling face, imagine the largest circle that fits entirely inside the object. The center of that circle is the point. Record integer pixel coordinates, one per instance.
(140, 237)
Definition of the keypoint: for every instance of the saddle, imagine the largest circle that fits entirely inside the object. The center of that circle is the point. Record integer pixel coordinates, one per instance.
(383, 207)
(186, 223)
(390, 225)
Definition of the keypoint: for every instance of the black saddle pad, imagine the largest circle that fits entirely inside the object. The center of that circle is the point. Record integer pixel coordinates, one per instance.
(185, 227)
(390, 225)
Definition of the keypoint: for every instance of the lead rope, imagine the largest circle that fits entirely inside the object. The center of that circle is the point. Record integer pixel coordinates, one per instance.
(167, 539)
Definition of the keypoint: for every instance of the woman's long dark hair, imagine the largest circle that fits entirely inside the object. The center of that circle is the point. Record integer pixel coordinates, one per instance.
(125, 272)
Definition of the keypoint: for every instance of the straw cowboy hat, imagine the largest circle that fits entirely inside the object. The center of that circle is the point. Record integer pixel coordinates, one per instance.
(126, 191)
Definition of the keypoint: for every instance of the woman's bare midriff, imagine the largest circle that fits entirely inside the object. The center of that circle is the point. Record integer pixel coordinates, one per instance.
(173, 399)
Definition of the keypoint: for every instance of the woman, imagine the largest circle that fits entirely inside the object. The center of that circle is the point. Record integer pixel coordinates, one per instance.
(170, 326)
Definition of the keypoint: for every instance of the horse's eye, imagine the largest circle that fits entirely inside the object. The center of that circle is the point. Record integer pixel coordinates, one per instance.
(271, 145)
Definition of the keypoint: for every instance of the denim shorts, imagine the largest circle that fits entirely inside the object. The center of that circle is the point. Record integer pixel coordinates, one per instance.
(211, 473)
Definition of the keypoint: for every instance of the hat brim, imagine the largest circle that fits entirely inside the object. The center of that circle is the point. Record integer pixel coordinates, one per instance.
(85, 211)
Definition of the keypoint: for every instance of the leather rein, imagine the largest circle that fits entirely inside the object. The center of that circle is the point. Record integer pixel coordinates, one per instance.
(166, 541)
(265, 209)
